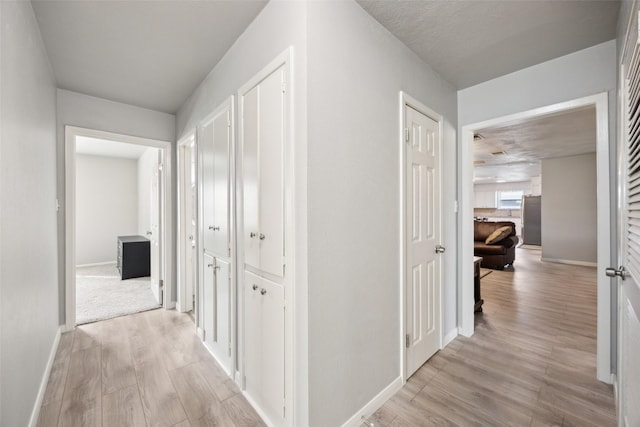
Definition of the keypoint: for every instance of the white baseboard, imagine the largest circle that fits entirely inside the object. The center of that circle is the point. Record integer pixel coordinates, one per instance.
(374, 404)
(570, 262)
(218, 361)
(449, 337)
(35, 413)
(171, 305)
(95, 264)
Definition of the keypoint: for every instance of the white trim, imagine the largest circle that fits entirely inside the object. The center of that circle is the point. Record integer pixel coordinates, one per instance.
(570, 262)
(450, 337)
(291, 329)
(166, 247)
(407, 100)
(35, 413)
(374, 404)
(200, 333)
(183, 304)
(96, 264)
(465, 225)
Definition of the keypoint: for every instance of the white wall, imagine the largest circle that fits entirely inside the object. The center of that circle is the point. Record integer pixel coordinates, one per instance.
(146, 163)
(75, 109)
(356, 71)
(106, 206)
(28, 237)
(279, 25)
(524, 186)
(569, 220)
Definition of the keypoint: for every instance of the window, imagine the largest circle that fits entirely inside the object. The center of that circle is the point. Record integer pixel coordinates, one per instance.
(509, 199)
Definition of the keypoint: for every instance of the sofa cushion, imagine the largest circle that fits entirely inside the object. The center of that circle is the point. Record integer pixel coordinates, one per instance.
(500, 234)
(480, 249)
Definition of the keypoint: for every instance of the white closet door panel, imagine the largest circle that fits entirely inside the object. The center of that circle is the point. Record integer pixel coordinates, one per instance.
(253, 337)
(271, 173)
(272, 360)
(208, 299)
(221, 212)
(221, 346)
(205, 139)
(250, 170)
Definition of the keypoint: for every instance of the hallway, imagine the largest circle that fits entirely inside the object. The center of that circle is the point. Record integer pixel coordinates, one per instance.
(143, 369)
(531, 361)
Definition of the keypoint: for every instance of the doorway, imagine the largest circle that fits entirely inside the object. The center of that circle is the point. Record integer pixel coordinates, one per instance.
(421, 231)
(134, 248)
(187, 225)
(466, 302)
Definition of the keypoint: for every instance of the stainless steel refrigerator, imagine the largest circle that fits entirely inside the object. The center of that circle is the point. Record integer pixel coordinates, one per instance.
(531, 220)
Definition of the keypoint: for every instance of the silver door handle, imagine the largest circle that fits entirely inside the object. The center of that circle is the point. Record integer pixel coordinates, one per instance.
(254, 287)
(209, 265)
(149, 233)
(262, 236)
(621, 272)
(252, 234)
(440, 249)
(211, 227)
(263, 291)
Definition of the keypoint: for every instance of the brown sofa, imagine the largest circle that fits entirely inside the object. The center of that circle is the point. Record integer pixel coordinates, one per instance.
(499, 254)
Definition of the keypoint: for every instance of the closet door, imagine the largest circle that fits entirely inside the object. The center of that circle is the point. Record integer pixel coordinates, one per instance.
(205, 140)
(215, 134)
(263, 174)
(208, 297)
(264, 337)
(271, 173)
(250, 170)
(221, 182)
(221, 332)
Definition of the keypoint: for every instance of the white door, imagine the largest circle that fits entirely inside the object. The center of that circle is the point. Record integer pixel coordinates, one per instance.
(208, 298)
(422, 237)
(263, 177)
(154, 220)
(188, 221)
(220, 336)
(629, 242)
(264, 338)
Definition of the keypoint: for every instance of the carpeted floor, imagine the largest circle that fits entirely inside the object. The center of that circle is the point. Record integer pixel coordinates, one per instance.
(100, 294)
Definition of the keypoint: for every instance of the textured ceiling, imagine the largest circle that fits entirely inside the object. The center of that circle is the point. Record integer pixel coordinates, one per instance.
(512, 151)
(152, 54)
(469, 42)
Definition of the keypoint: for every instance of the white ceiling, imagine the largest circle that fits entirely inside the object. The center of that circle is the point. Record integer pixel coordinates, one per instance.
(151, 54)
(469, 42)
(103, 147)
(511, 152)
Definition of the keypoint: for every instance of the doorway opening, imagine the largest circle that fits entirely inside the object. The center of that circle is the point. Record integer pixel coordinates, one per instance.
(117, 216)
(601, 233)
(187, 225)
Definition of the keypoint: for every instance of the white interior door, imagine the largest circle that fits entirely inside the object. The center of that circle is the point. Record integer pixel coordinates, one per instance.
(188, 220)
(154, 221)
(250, 173)
(629, 241)
(422, 237)
(208, 299)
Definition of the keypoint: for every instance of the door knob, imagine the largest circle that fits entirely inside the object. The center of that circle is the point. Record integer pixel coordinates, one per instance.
(440, 249)
(263, 291)
(211, 227)
(252, 234)
(621, 272)
(262, 236)
(254, 287)
(209, 265)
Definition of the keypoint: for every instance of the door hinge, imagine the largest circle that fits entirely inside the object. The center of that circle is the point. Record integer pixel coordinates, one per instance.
(161, 284)
(406, 134)
(407, 340)
(193, 301)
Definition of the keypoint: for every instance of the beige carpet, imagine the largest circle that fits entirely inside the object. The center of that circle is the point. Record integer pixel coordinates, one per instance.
(100, 294)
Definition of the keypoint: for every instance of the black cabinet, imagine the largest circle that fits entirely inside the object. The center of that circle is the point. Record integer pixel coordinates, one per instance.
(134, 257)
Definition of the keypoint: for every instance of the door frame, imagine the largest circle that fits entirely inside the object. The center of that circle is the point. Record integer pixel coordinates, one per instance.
(184, 303)
(166, 269)
(408, 101)
(465, 220)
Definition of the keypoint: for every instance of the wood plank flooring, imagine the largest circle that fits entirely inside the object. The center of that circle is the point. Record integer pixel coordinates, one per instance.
(531, 361)
(143, 369)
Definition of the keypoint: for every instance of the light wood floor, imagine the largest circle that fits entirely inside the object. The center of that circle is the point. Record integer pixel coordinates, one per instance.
(143, 369)
(531, 361)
